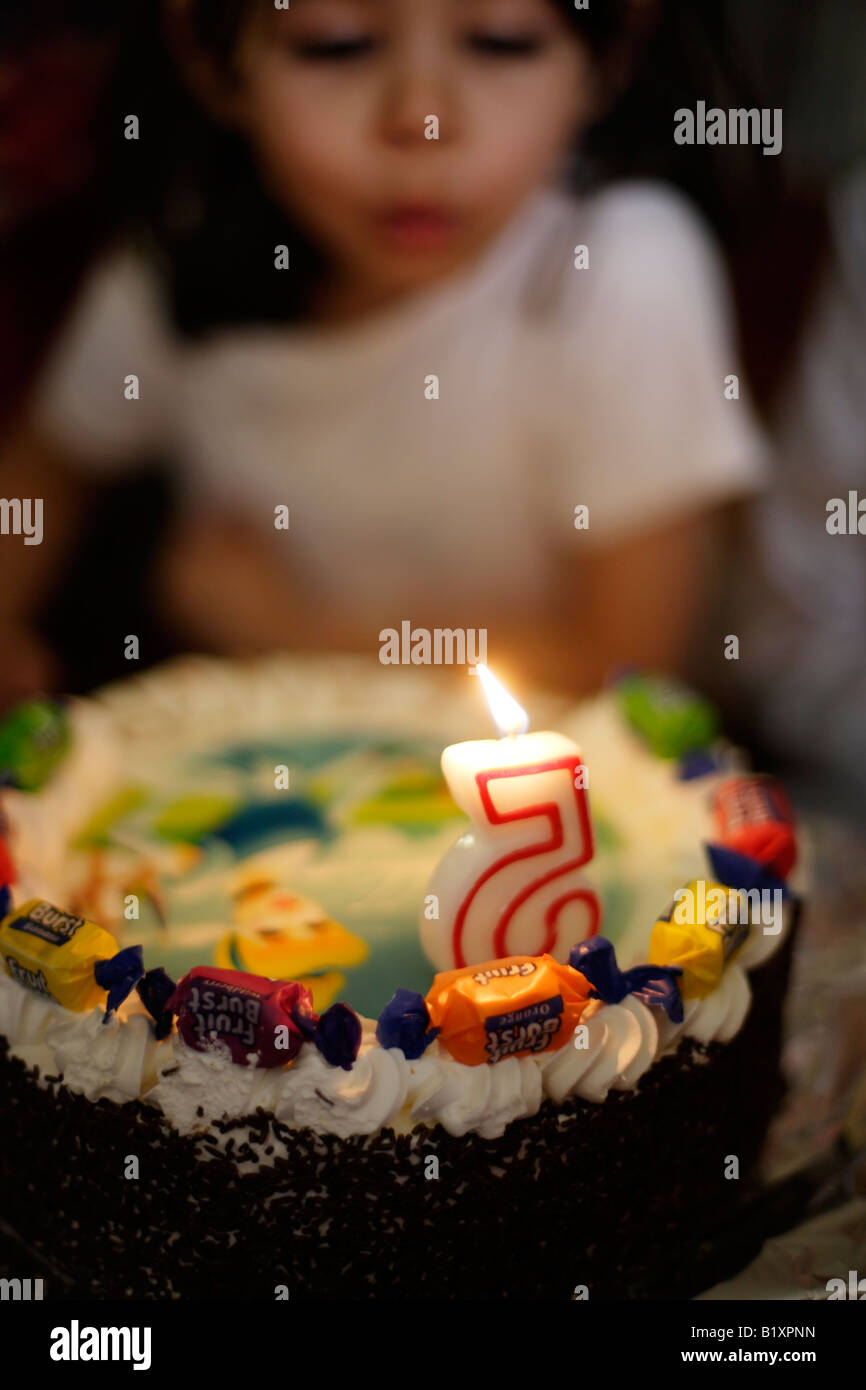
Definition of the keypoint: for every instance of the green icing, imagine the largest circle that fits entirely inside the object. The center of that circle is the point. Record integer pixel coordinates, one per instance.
(607, 837)
(616, 904)
(190, 818)
(96, 833)
(34, 739)
(417, 802)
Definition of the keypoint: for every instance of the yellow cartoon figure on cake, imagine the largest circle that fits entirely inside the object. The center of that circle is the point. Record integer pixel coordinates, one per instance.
(286, 936)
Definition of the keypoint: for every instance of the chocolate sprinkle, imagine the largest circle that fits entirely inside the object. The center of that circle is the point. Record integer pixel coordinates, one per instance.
(628, 1197)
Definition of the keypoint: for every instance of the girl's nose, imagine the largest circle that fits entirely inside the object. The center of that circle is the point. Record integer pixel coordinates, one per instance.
(419, 84)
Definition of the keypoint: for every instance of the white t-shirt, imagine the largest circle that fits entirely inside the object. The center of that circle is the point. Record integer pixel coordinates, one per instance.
(558, 387)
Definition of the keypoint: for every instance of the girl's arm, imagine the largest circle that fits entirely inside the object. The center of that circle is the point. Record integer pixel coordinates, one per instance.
(635, 602)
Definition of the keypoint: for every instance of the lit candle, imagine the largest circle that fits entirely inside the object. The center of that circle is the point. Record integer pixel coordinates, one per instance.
(511, 885)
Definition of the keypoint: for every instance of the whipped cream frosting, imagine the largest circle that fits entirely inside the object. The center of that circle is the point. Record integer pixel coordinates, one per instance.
(196, 700)
(194, 1090)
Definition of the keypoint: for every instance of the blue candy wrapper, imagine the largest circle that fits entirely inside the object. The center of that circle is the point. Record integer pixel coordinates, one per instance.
(654, 985)
(119, 976)
(735, 870)
(405, 1023)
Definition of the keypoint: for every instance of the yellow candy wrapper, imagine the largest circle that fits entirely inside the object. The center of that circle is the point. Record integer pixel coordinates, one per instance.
(67, 958)
(698, 933)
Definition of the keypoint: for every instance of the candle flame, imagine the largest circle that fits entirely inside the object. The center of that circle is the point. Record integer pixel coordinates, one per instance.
(509, 717)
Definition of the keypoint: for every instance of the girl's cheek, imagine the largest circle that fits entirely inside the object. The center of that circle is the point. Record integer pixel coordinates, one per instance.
(298, 124)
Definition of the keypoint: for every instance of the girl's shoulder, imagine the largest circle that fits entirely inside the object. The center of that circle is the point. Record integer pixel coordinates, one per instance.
(116, 339)
(642, 205)
(122, 295)
(636, 250)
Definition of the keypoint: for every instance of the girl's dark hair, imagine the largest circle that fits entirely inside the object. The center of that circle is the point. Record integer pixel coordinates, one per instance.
(193, 188)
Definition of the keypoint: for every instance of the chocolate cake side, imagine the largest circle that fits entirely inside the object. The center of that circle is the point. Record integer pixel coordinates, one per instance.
(628, 1199)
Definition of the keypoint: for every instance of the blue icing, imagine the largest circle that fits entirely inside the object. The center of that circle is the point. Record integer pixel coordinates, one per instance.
(263, 823)
(399, 963)
(310, 753)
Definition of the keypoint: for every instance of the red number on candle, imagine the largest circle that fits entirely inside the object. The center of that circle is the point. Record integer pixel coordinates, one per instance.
(552, 812)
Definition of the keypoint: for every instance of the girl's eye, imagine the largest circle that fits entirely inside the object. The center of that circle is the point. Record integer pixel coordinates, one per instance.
(506, 45)
(487, 45)
(334, 50)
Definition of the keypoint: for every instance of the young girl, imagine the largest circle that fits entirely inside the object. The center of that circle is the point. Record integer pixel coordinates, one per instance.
(370, 297)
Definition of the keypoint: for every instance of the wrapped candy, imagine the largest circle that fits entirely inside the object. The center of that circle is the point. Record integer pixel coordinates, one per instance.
(67, 958)
(516, 1006)
(7, 878)
(654, 985)
(754, 817)
(699, 934)
(710, 918)
(672, 719)
(259, 1020)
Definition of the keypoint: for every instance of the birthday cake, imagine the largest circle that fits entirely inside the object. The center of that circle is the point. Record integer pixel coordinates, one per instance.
(286, 1013)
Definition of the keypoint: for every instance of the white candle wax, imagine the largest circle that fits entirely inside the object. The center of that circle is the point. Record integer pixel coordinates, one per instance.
(511, 885)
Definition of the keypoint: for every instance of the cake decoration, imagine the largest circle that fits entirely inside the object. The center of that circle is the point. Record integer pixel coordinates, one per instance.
(745, 874)
(653, 984)
(701, 762)
(515, 1006)
(7, 878)
(34, 738)
(512, 882)
(67, 958)
(155, 989)
(411, 1068)
(670, 717)
(287, 936)
(259, 1020)
(695, 933)
(754, 816)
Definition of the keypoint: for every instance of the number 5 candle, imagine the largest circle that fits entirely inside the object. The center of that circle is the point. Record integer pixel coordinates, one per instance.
(511, 885)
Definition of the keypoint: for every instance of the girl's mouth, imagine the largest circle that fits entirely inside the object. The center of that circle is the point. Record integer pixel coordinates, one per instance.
(419, 226)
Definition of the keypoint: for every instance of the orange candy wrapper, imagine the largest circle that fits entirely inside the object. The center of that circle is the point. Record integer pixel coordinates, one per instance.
(512, 1007)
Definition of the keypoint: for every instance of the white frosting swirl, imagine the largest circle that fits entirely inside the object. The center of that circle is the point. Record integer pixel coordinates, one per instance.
(329, 1099)
(460, 1098)
(760, 945)
(622, 1040)
(721, 1014)
(100, 1057)
(24, 1015)
(670, 1033)
(716, 1018)
(194, 1089)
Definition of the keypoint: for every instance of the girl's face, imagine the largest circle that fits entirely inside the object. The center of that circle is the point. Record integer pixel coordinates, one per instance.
(337, 98)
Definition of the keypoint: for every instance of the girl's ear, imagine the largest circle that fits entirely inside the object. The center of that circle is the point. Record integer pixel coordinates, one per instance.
(211, 82)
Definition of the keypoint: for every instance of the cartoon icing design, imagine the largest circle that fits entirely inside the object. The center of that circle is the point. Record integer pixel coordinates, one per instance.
(288, 937)
(417, 800)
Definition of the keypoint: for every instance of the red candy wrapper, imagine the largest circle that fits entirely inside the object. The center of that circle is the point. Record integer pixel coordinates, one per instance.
(251, 1015)
(7, 866)
(754, 817)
